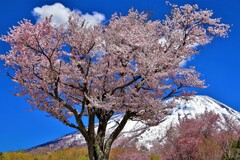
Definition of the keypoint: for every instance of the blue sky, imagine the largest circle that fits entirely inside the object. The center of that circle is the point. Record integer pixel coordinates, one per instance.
(218, 62)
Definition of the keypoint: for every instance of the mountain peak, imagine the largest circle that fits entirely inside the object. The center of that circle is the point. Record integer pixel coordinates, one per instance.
(198, 104)
(142, 135)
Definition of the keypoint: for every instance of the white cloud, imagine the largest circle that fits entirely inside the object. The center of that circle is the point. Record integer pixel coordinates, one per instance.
(61, 13)
(94, 19)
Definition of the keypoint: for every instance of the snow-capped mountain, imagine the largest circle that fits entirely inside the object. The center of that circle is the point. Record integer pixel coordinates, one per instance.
(138, 133)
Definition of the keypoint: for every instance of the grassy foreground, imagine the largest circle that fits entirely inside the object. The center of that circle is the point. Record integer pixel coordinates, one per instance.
(75, 154)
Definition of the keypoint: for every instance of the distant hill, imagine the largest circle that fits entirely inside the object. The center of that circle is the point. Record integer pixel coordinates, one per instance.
(141, 135)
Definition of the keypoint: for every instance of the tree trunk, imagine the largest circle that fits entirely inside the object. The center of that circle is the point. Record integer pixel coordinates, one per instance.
(98, 147)
(96, 153)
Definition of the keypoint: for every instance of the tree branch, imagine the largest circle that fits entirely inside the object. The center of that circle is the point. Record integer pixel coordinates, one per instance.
(125, 85)
(172, 92)
(116, 132)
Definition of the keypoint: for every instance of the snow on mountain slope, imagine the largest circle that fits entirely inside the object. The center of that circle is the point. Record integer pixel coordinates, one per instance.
(142, 135)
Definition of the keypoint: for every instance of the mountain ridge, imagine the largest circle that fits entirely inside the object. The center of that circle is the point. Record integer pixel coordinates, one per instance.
(137, 132)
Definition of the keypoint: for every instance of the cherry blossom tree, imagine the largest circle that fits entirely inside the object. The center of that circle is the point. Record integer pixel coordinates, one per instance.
(187, 139)
(229, 139)
(129, 66)
(205, 137)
